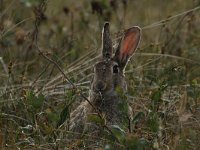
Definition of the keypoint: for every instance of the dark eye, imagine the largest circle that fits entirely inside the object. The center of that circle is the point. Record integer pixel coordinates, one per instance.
(107, 55)
(115, 69)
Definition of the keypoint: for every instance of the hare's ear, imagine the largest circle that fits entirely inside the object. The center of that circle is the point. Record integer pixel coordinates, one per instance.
(127, 46)
(106, 42)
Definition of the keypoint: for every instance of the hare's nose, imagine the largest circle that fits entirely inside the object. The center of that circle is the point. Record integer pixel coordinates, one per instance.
(100, 86)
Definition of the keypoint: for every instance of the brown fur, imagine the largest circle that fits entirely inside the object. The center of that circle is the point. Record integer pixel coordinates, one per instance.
(108, 76)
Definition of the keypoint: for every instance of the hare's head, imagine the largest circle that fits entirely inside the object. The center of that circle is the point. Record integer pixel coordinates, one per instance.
(108, 72)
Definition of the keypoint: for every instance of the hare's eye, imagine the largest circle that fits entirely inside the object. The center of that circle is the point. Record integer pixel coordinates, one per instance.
(115, 69)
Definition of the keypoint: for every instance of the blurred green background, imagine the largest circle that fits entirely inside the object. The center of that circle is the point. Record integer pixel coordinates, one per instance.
(163, 75)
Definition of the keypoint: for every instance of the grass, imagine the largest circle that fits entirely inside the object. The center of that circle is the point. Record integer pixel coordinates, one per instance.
(44, 44)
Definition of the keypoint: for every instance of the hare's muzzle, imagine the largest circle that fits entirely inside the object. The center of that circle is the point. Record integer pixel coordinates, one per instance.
(100, 86)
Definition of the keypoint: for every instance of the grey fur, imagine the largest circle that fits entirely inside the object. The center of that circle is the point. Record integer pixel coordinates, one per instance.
(108, 76)
(106, 42)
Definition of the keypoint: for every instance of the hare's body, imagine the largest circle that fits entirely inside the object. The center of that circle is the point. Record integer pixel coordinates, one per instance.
(108, 84)
(107, 105)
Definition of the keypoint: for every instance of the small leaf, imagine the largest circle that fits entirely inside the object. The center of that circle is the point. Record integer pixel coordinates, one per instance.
(95, 119)
(194, 82)
(52, 116)
(156, 96)
(123, 107)
(120, 92)
(136, 144)
(123, 104)
(118, 132)
(65, 114)
(153, 122)
(35, 101)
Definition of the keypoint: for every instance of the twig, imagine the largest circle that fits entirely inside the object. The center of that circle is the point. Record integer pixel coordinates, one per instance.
(68, 80)
(13, 27)
(13, 116)
(37, 78)
(176, 29)
(41, 10)
(1, 8)
(161, 22)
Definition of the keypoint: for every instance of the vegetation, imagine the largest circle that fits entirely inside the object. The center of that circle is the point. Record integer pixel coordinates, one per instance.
(47, 49)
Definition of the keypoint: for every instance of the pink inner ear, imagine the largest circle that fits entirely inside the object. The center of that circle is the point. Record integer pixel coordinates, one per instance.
(129, 43)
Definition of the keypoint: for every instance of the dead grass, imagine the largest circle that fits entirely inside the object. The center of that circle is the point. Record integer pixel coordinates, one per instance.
(163, 76)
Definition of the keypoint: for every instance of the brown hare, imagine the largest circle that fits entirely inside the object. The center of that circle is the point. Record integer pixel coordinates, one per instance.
(105, 97)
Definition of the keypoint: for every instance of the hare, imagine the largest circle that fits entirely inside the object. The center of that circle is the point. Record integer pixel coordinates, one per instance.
(105, 99)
